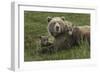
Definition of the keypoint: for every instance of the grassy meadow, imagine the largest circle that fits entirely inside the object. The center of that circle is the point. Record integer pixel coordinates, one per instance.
(35, 25)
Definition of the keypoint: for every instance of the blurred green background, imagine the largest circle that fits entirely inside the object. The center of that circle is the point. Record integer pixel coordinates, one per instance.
(35, 25)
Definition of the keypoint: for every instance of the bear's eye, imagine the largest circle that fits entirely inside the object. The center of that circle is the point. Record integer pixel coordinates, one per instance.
(53, 23)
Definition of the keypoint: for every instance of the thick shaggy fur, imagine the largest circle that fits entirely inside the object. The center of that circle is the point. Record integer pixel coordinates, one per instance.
(59, 29)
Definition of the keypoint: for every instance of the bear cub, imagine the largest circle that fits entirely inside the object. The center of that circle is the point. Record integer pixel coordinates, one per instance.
(45, 45)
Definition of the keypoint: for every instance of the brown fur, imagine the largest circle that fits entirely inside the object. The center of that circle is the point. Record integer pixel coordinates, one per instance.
(81, 33)
(62, 39)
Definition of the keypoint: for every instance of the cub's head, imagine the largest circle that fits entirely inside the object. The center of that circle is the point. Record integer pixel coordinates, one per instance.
(56, 25)
(43, 40)
(69, 27)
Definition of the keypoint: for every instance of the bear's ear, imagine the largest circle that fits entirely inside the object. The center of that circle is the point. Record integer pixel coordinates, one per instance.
(70, 24)
(49, 18)
(63, 18)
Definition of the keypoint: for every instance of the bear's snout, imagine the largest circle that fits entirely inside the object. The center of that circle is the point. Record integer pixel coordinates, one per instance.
(57, 28)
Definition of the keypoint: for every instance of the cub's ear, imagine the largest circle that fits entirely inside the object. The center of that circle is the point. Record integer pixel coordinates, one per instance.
(49, 18)
(39, 37)
(70, 24)
(63, 18)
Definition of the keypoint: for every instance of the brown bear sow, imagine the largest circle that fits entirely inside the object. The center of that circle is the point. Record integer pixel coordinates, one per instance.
(59, 29)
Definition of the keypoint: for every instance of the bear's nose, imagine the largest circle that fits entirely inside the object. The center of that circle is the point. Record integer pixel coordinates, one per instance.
(57, 28)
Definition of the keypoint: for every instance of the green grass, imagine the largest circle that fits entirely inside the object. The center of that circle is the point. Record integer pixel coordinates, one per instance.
(36, 25)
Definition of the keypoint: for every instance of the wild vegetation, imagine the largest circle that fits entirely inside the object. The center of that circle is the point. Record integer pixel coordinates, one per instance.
(35, 25)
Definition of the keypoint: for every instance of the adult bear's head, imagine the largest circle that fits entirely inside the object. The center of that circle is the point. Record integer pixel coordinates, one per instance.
(56, 25)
